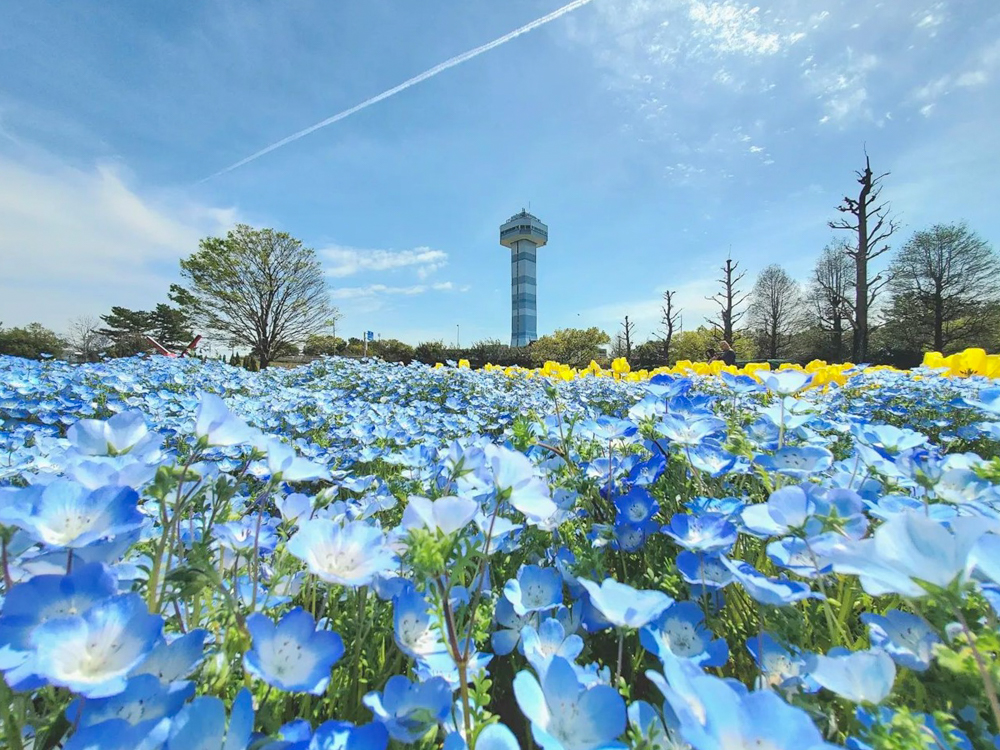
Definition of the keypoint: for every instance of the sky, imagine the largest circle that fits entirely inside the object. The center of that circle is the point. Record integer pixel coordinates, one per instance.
(654, 137)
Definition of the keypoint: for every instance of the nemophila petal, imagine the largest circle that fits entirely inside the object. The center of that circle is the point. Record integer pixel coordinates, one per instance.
(201, 725)
(282, 459)
(779, 666)
(409, 710)
(93, 652)
(689, 431)
(351, 554)
(506, 636)
(342, 735)
(515, 475)
(797, 555)
(985, 557)
(218, 426)
(294, 506)
(548, 641)
(118, 734)
(535, 589)
(174, 660)
(711, 459)
(861, 676)
(777, 592)
(440, 664)
(624, 606)
(907, 638)
(292, 654)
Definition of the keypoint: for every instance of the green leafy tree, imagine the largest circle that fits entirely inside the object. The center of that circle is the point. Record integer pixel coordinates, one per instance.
(575, 347)
(259, 287)
(127, 329)
(320, 344)
(693, 345)
(943, 290)
(31, 342)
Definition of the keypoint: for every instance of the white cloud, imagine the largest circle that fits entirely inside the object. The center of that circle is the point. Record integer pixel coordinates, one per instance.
(733, 28)
(379, 290)
(76, 241)
(347, 261)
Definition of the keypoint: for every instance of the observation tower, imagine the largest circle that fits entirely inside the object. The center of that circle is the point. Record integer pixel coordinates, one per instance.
(523, 234)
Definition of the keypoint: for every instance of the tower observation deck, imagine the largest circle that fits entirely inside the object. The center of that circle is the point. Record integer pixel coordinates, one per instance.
(523, 234)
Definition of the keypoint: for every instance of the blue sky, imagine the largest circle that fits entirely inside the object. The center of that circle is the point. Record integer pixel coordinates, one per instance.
(652, 136)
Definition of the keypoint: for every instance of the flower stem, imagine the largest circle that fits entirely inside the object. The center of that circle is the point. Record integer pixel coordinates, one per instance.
(991, 693)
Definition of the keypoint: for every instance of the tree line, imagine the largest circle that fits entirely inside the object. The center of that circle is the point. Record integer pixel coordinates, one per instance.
(264, 291)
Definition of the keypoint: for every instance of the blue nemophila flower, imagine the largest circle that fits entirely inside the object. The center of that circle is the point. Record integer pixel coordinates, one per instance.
(294, 506)
(637, 505)
(409, 710)
(144, 698)
(909, 550)
(567, 715)
(351, 554)
(648, 724)
(124, 432)
(550, 640)
(888, 439)
(218, 426)
(446, 514)
(799, 555)
(342, 735)
(516, 476)
(777, 592)
(780, 667)
(67, 514)
(413, 629)
(201, 725)
(785, 382)
(985, 557)
(630, 537)
(174, 660)
(282, 459)
(712, 459)
(680, 631)
(707, 533)
(906, 637)
(715, 713)
(796, 461)
(703, 570)
(624, 606)
(118, 734)
(93, 652)
(254, 531)
(291, 654)
(506, 636)
(858, 676)
(441, 664)
(689, 432)
(786, 509)
(535, 589)
(38, 600)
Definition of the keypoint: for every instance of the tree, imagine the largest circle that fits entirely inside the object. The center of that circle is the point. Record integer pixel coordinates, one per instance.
(670, 316)
(943, 284)
(575, 347)
(693, 344)
(320, 344)
(623, 341)
(870, 220)
(775, 309)
(728, 300)
(33, 341)
(86, 339)
(831, 290)
(260, 287)
(127, 329)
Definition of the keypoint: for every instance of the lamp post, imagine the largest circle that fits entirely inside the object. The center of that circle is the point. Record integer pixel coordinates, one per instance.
(458, 337)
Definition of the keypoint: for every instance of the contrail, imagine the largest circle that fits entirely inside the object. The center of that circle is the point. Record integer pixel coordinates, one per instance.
(457, 60)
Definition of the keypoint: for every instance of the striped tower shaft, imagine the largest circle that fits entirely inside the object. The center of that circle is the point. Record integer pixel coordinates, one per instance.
(523, 298)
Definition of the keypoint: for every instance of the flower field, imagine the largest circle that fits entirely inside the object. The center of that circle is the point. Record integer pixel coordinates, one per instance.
(352, 555)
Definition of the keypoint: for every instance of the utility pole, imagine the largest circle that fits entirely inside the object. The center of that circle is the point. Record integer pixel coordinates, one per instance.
(458, 338)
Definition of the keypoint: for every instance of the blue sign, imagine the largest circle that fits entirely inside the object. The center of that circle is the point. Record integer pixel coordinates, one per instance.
(370, 335)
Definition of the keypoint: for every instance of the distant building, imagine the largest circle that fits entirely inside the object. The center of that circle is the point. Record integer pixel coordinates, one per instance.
(523, 234)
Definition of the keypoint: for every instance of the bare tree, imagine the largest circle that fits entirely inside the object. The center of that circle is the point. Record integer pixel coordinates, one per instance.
(670, 316)
(625, 337)
(260, 287)
(728, 300)
(775, 309)
(942, 281)
(870, 220)
(86, 338)
(831, 294)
